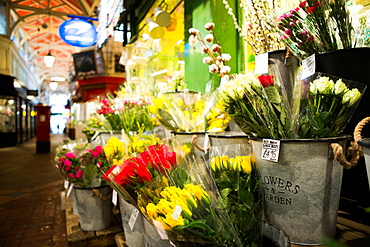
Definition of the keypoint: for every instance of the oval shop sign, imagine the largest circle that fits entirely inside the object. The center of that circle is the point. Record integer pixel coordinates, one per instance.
(78, 32)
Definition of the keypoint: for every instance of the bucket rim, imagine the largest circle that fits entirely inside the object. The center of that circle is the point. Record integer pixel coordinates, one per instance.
(89, 188)
(228, 136)
(364, 142)
(329, 139)
(188, 133)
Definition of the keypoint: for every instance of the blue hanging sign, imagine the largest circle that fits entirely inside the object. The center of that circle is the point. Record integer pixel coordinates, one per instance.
(78, 32)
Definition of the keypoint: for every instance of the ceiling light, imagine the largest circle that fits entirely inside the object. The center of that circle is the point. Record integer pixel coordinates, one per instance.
(155, 31)
(162, 18)
(57, 78)
(53, 85)
(49, 60)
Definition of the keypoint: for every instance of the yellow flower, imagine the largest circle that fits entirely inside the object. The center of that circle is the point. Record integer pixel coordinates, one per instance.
(246, 164)
(151, 210)
(114, 149)
(170, 221)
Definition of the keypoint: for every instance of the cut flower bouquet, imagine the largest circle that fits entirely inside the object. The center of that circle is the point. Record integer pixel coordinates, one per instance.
(159, 184)
(316, 27)
(80, 164)
(321, 107)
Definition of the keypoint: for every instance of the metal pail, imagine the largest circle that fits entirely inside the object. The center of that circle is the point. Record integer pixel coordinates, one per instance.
(230, 143)
(94, 207)
(133, 230)
(302, 189)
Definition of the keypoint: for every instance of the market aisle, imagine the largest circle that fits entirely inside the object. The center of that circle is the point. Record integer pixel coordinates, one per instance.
(30, 204)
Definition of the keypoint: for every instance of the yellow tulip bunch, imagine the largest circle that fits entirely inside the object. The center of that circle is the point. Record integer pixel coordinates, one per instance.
(176, 206)
(239, 163)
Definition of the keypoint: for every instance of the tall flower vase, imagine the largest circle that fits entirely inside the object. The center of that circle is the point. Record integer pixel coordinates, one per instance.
(94, 207)
(302, 188)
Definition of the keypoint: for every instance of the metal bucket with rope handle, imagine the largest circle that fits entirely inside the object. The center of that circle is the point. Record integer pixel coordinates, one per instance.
(302, 187)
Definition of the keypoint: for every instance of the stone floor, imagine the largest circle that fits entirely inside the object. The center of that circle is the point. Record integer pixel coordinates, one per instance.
(30, 197)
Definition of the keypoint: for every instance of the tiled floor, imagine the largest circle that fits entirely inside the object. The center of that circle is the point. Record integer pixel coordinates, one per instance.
(30, 202)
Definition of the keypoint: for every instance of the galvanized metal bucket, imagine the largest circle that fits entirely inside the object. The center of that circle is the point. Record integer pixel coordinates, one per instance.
(302, 189)
(94, 207)
(230, 143)
(365, 144)
(133, 230)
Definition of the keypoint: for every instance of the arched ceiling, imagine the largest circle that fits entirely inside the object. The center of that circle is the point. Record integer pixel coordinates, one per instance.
(40, 20)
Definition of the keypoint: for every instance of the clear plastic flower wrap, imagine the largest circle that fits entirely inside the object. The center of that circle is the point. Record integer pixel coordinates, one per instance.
(259, 105)
(324, 104)
(189, 112)
(237, 178)
(170, 191)
(321, 105)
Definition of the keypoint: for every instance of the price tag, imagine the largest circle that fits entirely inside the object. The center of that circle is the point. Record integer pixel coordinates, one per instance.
(270, 150)
(262, 63)
(133, 218)
(308, 66)
(177, 212)
(205, 145)
(114, 197)
(160, 230)
(66, 184)
(69, 190)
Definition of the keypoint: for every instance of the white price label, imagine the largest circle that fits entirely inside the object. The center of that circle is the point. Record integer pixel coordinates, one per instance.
(205, 145)
(160, 230)
(308, 66)
(133, 218)
(114, 197)
(66, 184)
(262, 64)
(270, 150)
(177, 212)
(69, 190)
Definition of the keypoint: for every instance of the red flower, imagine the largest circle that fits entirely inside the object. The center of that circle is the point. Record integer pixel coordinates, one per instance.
(107, 173)
(302, 4)
(159, 157)
(70, 155)
(99, 149)
(311, 9)
(266, 80)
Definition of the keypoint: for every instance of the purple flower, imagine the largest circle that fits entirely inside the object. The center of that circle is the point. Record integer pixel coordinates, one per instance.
(304, 33)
